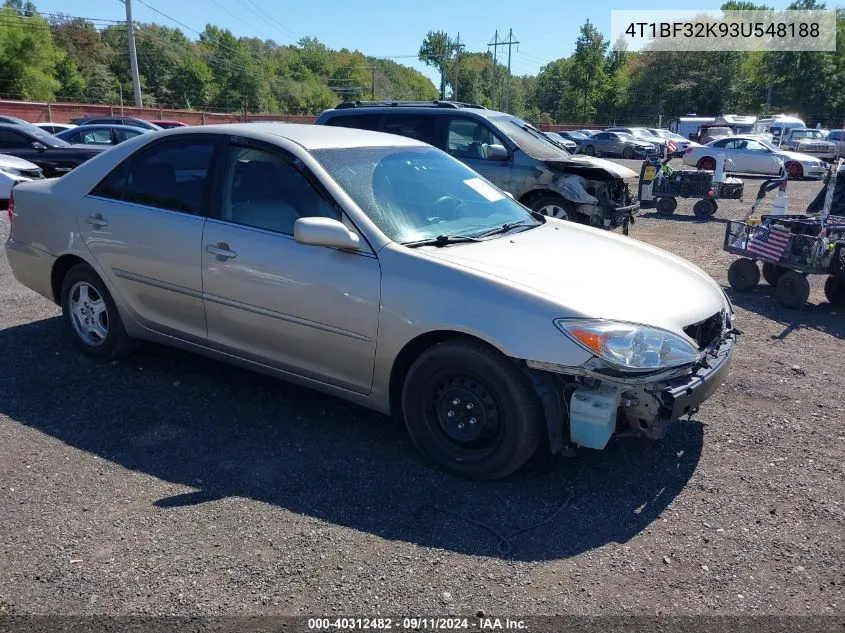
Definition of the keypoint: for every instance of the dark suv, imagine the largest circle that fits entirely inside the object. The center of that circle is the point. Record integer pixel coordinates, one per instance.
(509, 152)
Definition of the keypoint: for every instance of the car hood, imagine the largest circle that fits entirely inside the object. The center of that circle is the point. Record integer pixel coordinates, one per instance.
(804, 158)
(15, 163)
(586, 161)
(596, 274)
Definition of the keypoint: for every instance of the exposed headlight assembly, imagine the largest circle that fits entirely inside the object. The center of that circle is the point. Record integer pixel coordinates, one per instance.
(17, 173)
(630, 346)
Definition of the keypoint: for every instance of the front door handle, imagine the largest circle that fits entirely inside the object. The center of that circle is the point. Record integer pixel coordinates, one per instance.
(96, 220)
(221, 251)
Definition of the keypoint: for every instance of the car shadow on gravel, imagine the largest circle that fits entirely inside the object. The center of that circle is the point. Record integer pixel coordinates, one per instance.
(222, 431)
(822, 317)
(682, 217)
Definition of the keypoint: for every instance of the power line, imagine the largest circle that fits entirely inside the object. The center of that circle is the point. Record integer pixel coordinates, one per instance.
(262, 14)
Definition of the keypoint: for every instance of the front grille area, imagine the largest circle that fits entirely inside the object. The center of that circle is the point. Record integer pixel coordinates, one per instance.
(705, 332)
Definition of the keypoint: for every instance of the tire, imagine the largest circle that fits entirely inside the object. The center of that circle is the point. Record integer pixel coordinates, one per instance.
(590, 151)
(834, 290)
(707, 163)
(444, 388)
(554, 206)
(628, 153)
(743, 275)
(705, 208)
(772, 273)
(666, 206)
(793, 289)
(92, 317)
(794, 170)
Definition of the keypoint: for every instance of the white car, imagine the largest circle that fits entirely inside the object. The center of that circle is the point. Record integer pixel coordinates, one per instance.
(752, 155)
(12, 171)
(54, 128)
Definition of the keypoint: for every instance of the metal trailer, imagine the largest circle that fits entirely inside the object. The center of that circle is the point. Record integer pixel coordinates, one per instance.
(790, 247)
(663, 190)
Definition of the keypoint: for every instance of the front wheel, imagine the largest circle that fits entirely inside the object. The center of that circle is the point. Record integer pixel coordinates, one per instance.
(590, 151)
(794, 170)
(834, 290)
(554, 207)
(628, 153)
(743, 275)
(92, 316)
(793, 289)
(705, 208)
(471, 410)
(666, 206)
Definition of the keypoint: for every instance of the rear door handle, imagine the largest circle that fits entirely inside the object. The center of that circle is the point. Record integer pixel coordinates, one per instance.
(220, 251)
(96, 220)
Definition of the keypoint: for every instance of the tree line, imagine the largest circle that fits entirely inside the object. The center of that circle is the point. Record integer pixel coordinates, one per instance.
(66, 58)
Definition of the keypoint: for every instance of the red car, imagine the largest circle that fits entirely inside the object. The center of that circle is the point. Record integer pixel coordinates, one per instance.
(169, 124)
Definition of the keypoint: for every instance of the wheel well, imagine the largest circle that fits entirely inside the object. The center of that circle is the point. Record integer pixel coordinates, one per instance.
(528, 198)
(411, 352)
(60, 268)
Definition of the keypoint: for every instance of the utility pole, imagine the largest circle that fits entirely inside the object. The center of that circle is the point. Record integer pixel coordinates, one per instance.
(510, 43)
(457, 47)
(495, 45)
(133, 57)
(373, 84)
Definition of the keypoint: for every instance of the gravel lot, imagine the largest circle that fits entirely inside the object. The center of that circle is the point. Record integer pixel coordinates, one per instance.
(171, 484)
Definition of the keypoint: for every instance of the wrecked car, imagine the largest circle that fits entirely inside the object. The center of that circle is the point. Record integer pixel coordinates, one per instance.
(380, 270)
(511, 153)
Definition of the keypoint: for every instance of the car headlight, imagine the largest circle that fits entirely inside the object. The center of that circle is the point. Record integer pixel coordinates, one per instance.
(12, 172)
(628, 345)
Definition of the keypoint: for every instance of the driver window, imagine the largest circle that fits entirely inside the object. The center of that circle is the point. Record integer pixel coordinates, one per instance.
(467, 139)
(264, 190)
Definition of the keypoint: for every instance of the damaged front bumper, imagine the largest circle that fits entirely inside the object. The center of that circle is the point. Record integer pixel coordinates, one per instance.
(586, 407)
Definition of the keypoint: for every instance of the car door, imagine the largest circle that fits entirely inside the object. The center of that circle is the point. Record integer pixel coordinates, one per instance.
(466, 138)
(758, 158)
(308, 310)
(604, 143)
(143, 225)
(18, 144)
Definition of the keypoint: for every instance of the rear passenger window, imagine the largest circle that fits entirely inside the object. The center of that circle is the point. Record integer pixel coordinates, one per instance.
(360, 122)
(420, 126)
(169, 175)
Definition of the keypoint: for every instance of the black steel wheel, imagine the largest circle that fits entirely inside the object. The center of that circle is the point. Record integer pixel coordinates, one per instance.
(772, 273)
(590, 151)
(666, 206)
(628, 153)
(793, 289)
(705, 208)
(471, 410)
(834, 290)
(743, 275)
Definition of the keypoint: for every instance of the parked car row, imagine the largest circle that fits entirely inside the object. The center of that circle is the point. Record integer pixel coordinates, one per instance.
(623, 142)
(403, 277)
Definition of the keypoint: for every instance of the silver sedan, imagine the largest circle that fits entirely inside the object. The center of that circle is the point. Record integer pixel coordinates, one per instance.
(377, 269)
(752, 155)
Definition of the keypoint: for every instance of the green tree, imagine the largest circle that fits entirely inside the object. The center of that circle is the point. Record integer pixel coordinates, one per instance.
(437, 50)
(28, 56)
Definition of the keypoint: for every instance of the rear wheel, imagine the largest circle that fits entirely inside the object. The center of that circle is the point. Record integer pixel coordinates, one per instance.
(590, 151)
(794, 170)
(834, 290)
(666, 206)
(743, 275)
(707, 163)
(628, 153)
(772, 273)
(471, 410)
(92, 316)
(705, 208)
(793, 289)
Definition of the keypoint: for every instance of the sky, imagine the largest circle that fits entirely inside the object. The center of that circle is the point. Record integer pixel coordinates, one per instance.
(545, 29)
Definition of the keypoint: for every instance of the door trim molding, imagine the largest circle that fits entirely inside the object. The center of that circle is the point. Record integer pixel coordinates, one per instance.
(156, 283)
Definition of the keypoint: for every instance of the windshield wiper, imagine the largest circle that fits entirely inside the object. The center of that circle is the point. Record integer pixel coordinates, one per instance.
(507, 227)
(441, 240)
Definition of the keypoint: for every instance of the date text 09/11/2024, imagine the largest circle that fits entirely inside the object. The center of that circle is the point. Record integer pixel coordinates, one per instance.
(415, 624)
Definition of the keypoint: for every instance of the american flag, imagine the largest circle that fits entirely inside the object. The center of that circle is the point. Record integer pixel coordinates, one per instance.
(671, 147)
(769, 243)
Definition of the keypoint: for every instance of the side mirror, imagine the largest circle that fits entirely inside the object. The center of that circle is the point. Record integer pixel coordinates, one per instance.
(37, 145)
(325, 232)
(495, 152)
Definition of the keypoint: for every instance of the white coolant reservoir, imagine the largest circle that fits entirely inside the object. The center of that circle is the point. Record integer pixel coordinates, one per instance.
(592, 415)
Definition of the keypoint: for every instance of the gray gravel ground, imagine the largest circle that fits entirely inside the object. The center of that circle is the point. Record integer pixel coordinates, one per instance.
(171, 484)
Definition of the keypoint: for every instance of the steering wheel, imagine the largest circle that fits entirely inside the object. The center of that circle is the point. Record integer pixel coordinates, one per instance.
(441, 203)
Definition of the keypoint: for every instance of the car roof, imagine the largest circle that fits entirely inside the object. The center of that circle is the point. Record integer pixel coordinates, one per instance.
(422, 107)
(310, 137)
(108, 126)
